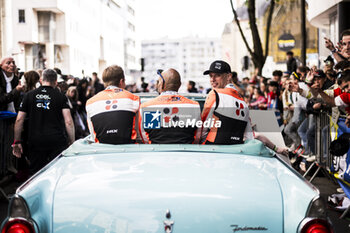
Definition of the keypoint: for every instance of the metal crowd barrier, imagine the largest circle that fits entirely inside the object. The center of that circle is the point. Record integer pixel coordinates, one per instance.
(323, 139)
(322, 142)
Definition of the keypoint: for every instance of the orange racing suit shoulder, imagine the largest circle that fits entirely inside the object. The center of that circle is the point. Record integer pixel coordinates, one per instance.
(111, 116)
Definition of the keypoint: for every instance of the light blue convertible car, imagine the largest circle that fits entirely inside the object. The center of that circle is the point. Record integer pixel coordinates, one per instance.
(93, 188)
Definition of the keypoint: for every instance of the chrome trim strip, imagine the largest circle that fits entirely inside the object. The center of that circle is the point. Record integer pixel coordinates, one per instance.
(298, 175)
(23, 205)
(311, 203)
(20, 188)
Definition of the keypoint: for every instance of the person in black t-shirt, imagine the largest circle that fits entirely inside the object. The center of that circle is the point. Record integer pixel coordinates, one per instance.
(48, 118)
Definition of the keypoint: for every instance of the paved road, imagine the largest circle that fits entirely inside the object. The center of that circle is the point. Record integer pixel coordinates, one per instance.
(324, 184)
(327, 188)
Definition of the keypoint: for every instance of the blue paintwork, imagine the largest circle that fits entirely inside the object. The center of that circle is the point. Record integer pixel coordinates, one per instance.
(128, 188)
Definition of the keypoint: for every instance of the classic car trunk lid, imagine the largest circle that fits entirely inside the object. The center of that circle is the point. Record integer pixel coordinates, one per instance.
(205, 192)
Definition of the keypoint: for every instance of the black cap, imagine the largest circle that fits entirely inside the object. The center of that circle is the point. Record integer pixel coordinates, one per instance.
(342, 65)
(329, 58)
(319, 74)
(273, 83)
(219, 67)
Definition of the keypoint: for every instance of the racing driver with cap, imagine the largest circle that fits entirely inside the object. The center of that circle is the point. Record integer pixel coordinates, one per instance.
(225, 104)
(220, 103)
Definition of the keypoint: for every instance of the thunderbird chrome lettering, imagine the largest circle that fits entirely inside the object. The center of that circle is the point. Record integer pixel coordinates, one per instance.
(247, 228)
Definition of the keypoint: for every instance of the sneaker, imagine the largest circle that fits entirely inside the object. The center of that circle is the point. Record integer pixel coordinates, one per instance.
(292, 147)
(292, 160)
(309, 157)
(340, 190)
(292, 157)
(312, 158)
(302, 166)
(297, 162)
(306, 156)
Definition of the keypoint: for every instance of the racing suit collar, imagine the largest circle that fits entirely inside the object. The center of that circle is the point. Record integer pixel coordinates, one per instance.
(230, 85)
(169, 93)
(113, 87)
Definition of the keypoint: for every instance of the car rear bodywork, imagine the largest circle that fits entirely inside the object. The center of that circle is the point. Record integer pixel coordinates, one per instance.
(130, 188)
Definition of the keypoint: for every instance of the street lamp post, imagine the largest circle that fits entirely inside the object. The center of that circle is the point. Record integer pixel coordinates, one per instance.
(303, 33)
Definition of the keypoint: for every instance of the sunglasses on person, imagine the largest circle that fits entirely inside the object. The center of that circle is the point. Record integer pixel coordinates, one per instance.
(159, 72)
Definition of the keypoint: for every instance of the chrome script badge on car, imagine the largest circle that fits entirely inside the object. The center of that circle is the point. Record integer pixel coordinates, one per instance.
(247, 228)
(168, 224)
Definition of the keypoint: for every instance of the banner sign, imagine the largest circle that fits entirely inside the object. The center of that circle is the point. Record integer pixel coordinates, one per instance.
(286, 42)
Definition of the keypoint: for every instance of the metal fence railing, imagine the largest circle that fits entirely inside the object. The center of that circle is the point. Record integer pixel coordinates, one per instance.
(322, 142)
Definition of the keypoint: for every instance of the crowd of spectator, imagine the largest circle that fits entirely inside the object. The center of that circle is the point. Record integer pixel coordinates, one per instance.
(298, 94)
(14, 87)
(295, 95)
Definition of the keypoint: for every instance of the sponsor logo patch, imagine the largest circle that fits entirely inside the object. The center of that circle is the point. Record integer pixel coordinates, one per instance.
(152, 119)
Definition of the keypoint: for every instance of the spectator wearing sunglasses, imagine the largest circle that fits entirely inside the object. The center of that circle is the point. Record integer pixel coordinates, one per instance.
(341, 97)
(328, 95)
(328, 69)
(170, 118)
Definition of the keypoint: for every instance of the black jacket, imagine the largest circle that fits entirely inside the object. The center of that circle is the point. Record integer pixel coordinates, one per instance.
(292, 65)
(13, 96)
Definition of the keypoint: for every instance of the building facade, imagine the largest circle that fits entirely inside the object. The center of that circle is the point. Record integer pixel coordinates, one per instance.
(234, 51)
(132, 45)
(79, 37)
(331, 18)
(190, 56)
(285, 35)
